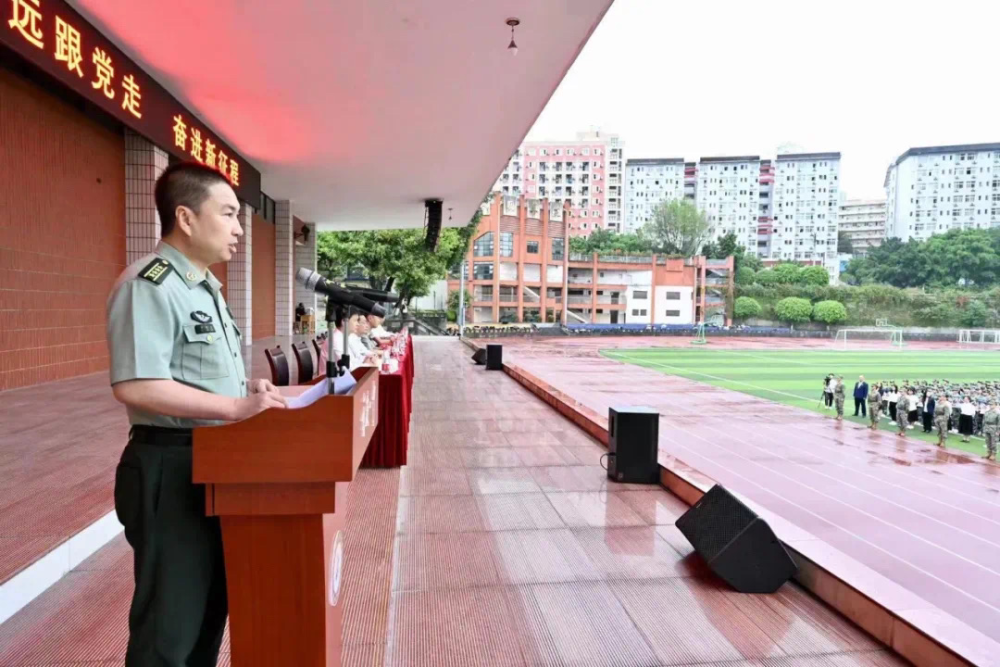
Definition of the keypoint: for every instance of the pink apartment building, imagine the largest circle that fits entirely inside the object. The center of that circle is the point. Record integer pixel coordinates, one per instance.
(586, 174)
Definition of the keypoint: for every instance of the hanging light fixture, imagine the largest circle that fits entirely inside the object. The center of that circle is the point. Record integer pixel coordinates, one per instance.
(512, 47)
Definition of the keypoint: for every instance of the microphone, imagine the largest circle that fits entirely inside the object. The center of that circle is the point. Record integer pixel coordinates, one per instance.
(375, 295)
(336, 294)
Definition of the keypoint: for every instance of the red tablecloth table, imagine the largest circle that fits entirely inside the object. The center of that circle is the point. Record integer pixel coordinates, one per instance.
(391, 439)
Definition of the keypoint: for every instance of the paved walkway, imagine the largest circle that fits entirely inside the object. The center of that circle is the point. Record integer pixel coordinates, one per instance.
(923, 517)
(502, 543)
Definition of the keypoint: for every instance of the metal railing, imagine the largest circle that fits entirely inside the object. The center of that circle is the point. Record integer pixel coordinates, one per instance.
(580, 257)
(626, 259)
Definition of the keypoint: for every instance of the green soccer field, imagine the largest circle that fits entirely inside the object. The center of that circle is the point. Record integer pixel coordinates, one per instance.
(795, 377)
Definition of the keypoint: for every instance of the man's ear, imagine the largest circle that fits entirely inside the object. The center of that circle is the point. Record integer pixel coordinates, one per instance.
(185, 220)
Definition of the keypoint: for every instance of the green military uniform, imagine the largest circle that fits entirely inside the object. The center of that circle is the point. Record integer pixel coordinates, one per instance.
(942, 417)
(874, 407)
(903, 413)
(838, 397)
(168, 321)
(991, 427)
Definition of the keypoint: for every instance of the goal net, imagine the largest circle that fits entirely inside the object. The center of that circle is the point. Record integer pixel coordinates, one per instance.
(978, 338)
(860, 337)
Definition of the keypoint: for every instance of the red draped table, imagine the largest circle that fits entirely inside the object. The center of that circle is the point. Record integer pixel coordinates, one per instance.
(391, 439)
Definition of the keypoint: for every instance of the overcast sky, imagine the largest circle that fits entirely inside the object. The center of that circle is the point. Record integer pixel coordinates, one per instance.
(712, 77)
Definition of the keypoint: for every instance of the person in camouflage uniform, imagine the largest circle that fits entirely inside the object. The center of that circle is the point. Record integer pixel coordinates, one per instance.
(942, 416)
(838, 397)
(991, 427)
(874, 405)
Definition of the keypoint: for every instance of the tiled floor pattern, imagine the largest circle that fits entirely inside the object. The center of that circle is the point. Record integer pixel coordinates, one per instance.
(82, 619)
(59, 446)
(512, 548)
(919, 515)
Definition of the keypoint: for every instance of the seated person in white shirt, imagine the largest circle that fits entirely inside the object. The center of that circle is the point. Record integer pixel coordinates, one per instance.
(378, 332)
(360, 354)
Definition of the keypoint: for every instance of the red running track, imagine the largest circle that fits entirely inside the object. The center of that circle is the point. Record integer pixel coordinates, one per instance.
(924, 517)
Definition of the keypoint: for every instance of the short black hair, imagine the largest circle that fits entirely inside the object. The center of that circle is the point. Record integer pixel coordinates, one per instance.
(183, 184)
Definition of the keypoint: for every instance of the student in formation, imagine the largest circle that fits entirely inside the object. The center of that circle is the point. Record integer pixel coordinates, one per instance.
(991, 428)
(874, 405)
(838, 397)
(942, 415)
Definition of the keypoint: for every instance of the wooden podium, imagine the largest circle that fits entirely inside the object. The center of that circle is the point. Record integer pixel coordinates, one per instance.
(279, 483)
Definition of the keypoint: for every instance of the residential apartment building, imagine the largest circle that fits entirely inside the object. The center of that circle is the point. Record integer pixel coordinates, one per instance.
(647, 183)
(934, 189)
(518, 269)
(783, 209)
(586, 174)
(727, 191)
(863, 221)
(806, 196)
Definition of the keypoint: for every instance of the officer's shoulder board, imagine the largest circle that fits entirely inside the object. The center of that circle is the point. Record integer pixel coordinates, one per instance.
(156, 271)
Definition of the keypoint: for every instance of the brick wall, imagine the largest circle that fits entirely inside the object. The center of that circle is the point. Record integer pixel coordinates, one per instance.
(263, 278)
(62, 235)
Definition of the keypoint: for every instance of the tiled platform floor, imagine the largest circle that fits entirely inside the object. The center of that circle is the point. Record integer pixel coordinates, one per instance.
(925, 518)
(509, 547)
(512, 548)
(59, 446)
(82, 620)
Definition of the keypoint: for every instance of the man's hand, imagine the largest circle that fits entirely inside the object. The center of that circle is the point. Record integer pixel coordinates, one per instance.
(262, 387)
(258, 402)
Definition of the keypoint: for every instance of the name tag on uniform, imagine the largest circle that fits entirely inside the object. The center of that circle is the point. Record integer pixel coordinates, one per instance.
(204, 328)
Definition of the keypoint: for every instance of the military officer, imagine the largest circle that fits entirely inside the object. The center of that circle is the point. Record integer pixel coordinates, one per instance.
(838, 397)
(874, 405)
(176, 363)
(991, 428)
(942, 417)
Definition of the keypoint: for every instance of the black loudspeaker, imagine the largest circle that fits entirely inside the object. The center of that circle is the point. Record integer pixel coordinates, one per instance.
(494, 357)
(737, 544)
(479, 356)
(633, 440)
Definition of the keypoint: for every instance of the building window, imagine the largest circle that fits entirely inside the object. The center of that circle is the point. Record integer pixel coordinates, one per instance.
(483, 247)
(558, 248)
(482, 271)
(506, 244)
(532, 247)
(673, 313)
(673, 296)
(635, 312)
(640, 294)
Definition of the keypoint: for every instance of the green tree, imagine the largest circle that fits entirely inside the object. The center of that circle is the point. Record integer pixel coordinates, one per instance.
(746, 307)
(711, 250)
(787, 273)
(744, 276)
(814, 275)
(453, 304)
(793, 310)
(730, 245)
(830, 312)
(975, 315)
(677, 227)
(844, 243)
(607, 242)
(398, 253)
(766, 277)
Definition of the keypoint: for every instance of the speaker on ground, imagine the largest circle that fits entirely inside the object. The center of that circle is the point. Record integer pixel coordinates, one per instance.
(479, 356)
(737, 544)
(494, 357)
(633, 440)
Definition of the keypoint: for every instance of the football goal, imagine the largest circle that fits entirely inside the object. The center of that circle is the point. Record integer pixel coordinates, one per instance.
(978, 338)
(855, 337)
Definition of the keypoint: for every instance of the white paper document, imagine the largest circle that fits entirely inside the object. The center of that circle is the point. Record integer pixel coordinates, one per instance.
(341, 385)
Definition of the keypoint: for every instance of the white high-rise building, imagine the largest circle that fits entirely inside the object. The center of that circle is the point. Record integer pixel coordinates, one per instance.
(647, 183)
(727, 190)
(806, 203)
(863, 221)
(932, 190)
(586, 172)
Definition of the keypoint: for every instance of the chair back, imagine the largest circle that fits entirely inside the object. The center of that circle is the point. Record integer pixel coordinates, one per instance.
(318, 346)
(278, 362)
(304, 360)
